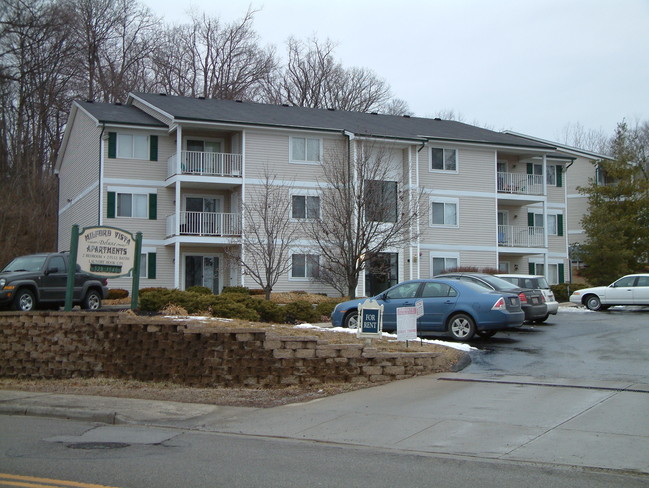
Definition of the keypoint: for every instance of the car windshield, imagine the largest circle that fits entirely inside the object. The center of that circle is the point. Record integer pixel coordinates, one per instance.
(25, 263)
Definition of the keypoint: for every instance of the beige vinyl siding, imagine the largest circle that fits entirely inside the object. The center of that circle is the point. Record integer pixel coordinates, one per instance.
(271, 149)
(476, 219)
(78, 174)
(83, 213)
(579, 174)
(140, 169)
(476, 170)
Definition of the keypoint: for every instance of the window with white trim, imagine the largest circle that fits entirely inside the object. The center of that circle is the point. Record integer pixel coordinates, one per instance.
(305, 265)
(441, 263)
(443, 159)
(381, 200)
(132, 146)
(305, 207)
(444, 212)
(132, 205)
(305, 150)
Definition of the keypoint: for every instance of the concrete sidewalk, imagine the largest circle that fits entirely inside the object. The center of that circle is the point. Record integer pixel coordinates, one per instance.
(564, 422)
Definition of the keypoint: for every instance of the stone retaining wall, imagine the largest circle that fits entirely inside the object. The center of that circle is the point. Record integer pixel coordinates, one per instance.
(73, 344)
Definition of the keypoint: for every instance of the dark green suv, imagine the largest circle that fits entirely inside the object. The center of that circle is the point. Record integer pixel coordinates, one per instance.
(40, 281)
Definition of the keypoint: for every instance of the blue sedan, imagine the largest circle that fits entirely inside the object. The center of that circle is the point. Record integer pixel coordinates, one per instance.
(450, 306)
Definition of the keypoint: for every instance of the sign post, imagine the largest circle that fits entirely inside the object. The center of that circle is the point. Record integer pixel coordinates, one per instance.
(370, 320)
(105, 252)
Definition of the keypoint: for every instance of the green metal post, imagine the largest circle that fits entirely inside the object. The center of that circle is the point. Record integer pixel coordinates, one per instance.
(136, 271)
(72, 267)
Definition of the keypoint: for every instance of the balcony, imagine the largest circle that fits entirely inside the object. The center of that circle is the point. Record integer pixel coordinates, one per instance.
(520, 236)
(199, 163)
(205, 224)
(520, 184)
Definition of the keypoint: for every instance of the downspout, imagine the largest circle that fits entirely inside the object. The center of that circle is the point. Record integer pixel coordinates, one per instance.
(410, 189)
(423, 145)
(100, 176)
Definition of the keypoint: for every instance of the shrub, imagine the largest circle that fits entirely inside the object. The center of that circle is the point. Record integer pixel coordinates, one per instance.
(300, 311)
(223, 307)
(143, 291)
(269, 311)
(235, 289)
(562, 291)
(203, 290)
(257, 292)
(326, 308)
(155, 299)
(117, 294)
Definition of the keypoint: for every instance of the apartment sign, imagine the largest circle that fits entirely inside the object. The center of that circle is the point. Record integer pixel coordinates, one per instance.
(106, 251)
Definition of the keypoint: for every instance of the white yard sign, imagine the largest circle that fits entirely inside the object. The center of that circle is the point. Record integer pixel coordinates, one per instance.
(407, 323)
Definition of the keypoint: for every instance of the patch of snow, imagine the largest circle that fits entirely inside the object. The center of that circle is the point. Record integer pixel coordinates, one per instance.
(454, 345)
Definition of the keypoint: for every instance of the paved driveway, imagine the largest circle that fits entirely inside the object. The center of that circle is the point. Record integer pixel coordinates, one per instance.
(575, 343)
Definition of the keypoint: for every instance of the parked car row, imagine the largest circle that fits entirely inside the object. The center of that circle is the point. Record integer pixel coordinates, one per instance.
(461, 305)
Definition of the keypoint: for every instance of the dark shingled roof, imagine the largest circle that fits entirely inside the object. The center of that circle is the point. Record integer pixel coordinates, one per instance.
(259, 114)
(359, 123)
(112, 113)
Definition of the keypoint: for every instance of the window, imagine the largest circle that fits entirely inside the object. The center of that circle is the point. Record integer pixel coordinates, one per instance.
(439, 264)
(443, 159)
(444, 212)
(305, 265)
(553, 175)
(305, 150)
(555, 274)
(381, 201)
(132, 205)
(555, 223)
(405, 290)
(132, 146)
(436, 290)
(305, 207)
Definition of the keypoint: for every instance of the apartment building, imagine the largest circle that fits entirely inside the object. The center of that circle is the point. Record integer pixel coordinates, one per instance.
(180, 170)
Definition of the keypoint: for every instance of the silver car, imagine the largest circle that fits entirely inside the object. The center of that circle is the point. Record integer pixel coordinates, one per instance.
(537, 282)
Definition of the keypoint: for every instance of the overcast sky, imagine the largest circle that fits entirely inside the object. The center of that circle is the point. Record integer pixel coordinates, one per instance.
(532, 66)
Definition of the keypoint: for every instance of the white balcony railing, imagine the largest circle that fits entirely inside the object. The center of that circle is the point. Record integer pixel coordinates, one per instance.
(213, 224)
(520, 236)
(205, 164)
(520, 183)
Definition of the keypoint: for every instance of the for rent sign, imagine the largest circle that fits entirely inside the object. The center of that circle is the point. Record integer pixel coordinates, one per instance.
(106, 251)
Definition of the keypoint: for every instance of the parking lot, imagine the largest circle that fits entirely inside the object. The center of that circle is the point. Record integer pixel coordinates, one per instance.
(575, 343)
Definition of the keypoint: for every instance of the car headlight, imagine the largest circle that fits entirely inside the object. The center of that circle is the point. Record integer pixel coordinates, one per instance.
(3, 282)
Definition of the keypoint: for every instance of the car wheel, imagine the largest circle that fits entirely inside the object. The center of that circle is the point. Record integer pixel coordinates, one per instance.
(593, 302)
(351, 320)
(461, 327)
(25, 301)
(92, 301)
(486, 333)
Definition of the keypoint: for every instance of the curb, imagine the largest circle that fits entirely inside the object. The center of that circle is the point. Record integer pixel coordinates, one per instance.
(102, 416)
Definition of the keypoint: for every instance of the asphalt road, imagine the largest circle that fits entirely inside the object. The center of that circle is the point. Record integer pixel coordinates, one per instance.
(575, 344)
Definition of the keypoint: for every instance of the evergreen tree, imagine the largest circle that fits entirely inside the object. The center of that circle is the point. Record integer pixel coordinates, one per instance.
(617, 224)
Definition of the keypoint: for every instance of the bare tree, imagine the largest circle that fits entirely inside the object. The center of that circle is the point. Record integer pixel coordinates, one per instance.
(35, 48)
(115, 39)
(214, 60)
(313, 78)
(365, 209)
(576, 135)
(268, 235)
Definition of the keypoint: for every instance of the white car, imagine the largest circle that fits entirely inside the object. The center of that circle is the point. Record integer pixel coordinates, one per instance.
(628, 290)
(535, 282)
